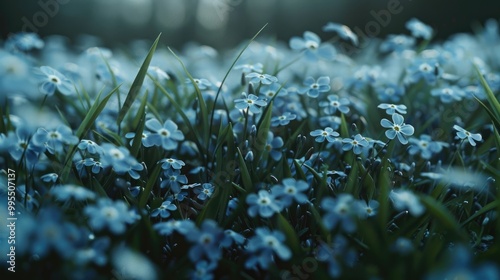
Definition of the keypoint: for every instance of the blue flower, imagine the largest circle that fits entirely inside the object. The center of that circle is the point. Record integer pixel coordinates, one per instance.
(164, 210)
(24, 42)
(270, 91)
(322, 134)
(264, 204)
(283, 119)
(448, 94)
(357, 144)
(419, 29)
(247, 68)
(173, 180)
(397, 128)
(264, 79)
(392, 108)
(54, 140)
(71, 192)
(146, 142)
(173, 163)
(96, 166)
(28, 197)
(389, 93)
(232, 204)
(207, 241)
(425, 146)
(264, 245)
(397, 43)
(91, 146)
(312, 47)
(406, 200)
(205, 192)
(52, 233)
(97, 253)
(183, 227)
(334, 103)
(252, 102)
(343, 31)
(50, 177)
(471, 137)
(113, 215)
(166, 136)
(202, 84)
(313, 88)
(120, 159)
(290, 190)
(367, 208)
(204, 270)
(52, 79)
(339, 212)
(273, 146)
(427, 70)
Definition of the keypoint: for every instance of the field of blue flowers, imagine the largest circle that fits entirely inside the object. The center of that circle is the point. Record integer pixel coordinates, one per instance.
(268, 161)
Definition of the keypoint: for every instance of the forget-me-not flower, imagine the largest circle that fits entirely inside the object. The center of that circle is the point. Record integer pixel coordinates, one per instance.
(314, 87)
(164, 210)
(425, 146)
(419, 29)
(290, 190)
(166, 135)
(264, 245)
(312, 47)
(471, 137)
(342, 30)
(357, 144)
(392, 108)
(264, 79)
(113, 215)
(335, 103)
(51, 79)
(397, 128)
(252, 102)
(264, 204)
(322, 134)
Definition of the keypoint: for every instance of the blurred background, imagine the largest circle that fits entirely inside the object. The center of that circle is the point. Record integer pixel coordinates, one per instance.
(225, 23)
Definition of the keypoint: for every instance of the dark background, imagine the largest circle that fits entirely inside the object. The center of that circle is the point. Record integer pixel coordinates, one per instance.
(225, 23)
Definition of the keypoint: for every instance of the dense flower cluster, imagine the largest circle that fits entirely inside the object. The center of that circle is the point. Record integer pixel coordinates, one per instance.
(302, 162)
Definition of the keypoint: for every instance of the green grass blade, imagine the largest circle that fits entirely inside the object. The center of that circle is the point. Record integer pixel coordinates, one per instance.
(245, 175)
(262, 131)
(490, 95)
(137, 84)
(229, 71)
(201, 102)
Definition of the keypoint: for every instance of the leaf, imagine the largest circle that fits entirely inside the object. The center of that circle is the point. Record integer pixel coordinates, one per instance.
(488, 207)
(245, 175)
(227, 74)
(138, 125)
(137, 84)
(152, 180)
(291, 236)
(442, 214)
(262, 131)
(492, 100)
(203, 106)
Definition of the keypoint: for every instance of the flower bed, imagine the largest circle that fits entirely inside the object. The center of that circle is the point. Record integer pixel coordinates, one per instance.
(268, 161)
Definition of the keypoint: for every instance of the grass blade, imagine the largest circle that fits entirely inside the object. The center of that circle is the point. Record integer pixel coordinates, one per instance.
(137, 84)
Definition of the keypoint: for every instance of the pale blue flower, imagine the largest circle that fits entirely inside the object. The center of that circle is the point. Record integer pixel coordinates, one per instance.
(393, 108)
(322, 134)
(397, 128)
(471, 137)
